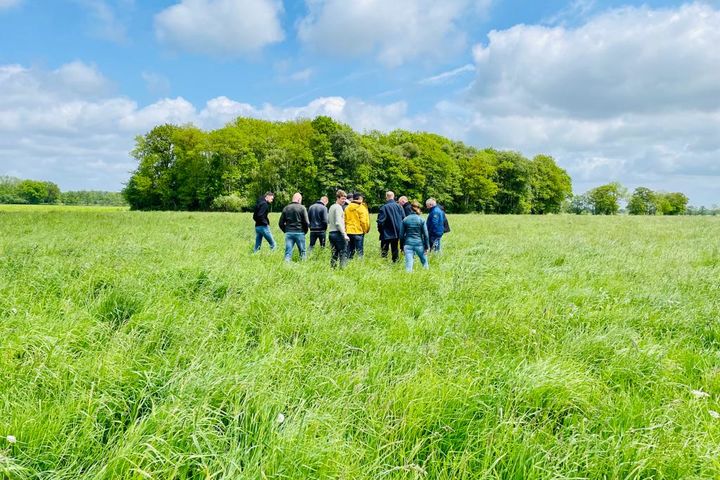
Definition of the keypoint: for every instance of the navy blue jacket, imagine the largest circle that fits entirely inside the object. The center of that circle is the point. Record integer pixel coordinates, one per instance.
(436, 222)
(389, 219)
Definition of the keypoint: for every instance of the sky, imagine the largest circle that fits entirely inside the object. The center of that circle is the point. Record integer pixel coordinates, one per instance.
(615, 91)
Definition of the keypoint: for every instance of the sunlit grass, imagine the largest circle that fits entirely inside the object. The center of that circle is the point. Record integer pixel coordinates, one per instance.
(156, 345)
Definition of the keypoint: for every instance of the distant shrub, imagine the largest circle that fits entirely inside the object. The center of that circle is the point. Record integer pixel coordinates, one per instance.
(229, 203)
(11, 198)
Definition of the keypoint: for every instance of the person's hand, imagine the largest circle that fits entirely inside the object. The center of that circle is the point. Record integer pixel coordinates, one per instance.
(347, 239)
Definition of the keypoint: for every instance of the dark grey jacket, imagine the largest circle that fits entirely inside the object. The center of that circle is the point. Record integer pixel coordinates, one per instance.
(294, 218)
(318, 215)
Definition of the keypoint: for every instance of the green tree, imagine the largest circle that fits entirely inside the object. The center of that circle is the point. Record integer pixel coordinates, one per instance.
(642, 202)
(550, 185)
(604, 200)
(512, 176)
(674, 203)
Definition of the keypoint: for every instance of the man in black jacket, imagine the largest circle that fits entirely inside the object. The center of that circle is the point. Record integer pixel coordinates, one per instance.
(294, 223)
(318, 215)
(405, 204)
(389, 219)
(262, 223)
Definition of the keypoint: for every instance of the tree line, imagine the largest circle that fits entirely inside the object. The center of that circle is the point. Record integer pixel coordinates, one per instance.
(605, 200)
(185, 168)
(37, 192)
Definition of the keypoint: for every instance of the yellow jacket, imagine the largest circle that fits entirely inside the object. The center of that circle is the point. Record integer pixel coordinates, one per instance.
(357, 219)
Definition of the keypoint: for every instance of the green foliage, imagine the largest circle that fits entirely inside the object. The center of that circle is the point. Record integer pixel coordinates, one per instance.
(183, 168)
(550, 185)
(604, 200)
(36, 192)
(643, 202)
(230, 203)
(157, 345)
(646, 202)
(93, 197)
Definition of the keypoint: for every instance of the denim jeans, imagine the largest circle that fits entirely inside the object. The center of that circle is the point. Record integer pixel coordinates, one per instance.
(263, 232)
(315, 236)
(292, 239)
(356, 244)
(410, 252)
(435, 243)
(338, 246)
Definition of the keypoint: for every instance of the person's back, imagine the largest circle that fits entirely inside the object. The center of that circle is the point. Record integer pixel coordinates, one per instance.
(357, 219)
(294, 218)
(318, 215)
(414, 232)
(414, 238)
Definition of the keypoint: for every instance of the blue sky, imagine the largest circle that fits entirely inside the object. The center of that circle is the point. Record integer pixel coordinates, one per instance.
(615, 91)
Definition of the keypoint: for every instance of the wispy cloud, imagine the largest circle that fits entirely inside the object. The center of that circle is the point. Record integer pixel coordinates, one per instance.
(106, 25)
(9, 3)
(447, 76)
(301, 75)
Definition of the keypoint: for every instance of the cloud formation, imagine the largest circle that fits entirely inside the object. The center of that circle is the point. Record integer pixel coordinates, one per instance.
(9, 3)
(633, 94)
(396, 32)
(221, 28)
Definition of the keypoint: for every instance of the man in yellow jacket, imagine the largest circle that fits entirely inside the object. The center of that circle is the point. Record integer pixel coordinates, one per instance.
(357, 224)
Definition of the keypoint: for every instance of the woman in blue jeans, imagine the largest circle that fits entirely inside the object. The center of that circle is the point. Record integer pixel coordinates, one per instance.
(414, 238)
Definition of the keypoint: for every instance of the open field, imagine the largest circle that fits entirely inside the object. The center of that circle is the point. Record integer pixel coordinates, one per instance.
(156, 345)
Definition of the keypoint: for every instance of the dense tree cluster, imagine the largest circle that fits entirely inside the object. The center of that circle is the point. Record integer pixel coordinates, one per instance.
(185, 168)
(605, 200)
(18, 191)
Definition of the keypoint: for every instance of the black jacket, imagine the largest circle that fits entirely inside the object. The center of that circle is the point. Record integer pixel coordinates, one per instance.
(407, 208)
(260, 215)
(318, 215)
(294, 218)
(389, 219)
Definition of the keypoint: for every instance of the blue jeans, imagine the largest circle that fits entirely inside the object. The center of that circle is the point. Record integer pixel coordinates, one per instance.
(292, 239)
(410, 252)
(435, 243)
(356, 244)
(263, 232)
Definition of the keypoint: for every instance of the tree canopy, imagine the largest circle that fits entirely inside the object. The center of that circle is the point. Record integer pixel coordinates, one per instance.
(185, 168)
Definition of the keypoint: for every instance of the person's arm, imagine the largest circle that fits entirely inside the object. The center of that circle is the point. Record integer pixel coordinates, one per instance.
(365, 219)
(324, 218)
(402, 235)
(381, 218)
(281, 222)
(426, 237)
(305, 220)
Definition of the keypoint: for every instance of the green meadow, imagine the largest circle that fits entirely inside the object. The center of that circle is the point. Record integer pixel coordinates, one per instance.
(158, 346)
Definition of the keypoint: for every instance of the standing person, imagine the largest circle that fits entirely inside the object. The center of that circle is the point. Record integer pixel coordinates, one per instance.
(435, 223)
(357, 224)
(389, 219)
(318, 215)
(403, 201)
(294, 223)
(348, 201)
(262, 222)
(336, 225)
(414, 238)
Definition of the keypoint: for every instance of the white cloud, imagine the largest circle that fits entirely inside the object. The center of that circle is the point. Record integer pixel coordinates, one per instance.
(447, 76)
(156, 84)
(105, 23)
(632, 94)
(301, 75)
(220, 27)
(9, 3)
(395, 31)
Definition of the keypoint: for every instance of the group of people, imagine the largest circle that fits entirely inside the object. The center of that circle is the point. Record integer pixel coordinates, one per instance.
(347, 221)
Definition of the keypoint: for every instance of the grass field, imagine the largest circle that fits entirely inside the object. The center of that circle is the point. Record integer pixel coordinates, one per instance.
(156, 345)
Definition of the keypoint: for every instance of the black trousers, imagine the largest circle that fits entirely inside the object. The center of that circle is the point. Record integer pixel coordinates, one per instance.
(338, 248)
(317, 235)
(390, 244)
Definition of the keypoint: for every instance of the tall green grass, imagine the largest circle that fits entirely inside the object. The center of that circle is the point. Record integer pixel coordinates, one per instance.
(156, 345)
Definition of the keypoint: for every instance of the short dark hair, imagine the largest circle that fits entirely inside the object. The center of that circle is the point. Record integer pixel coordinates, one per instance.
(269, 194)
